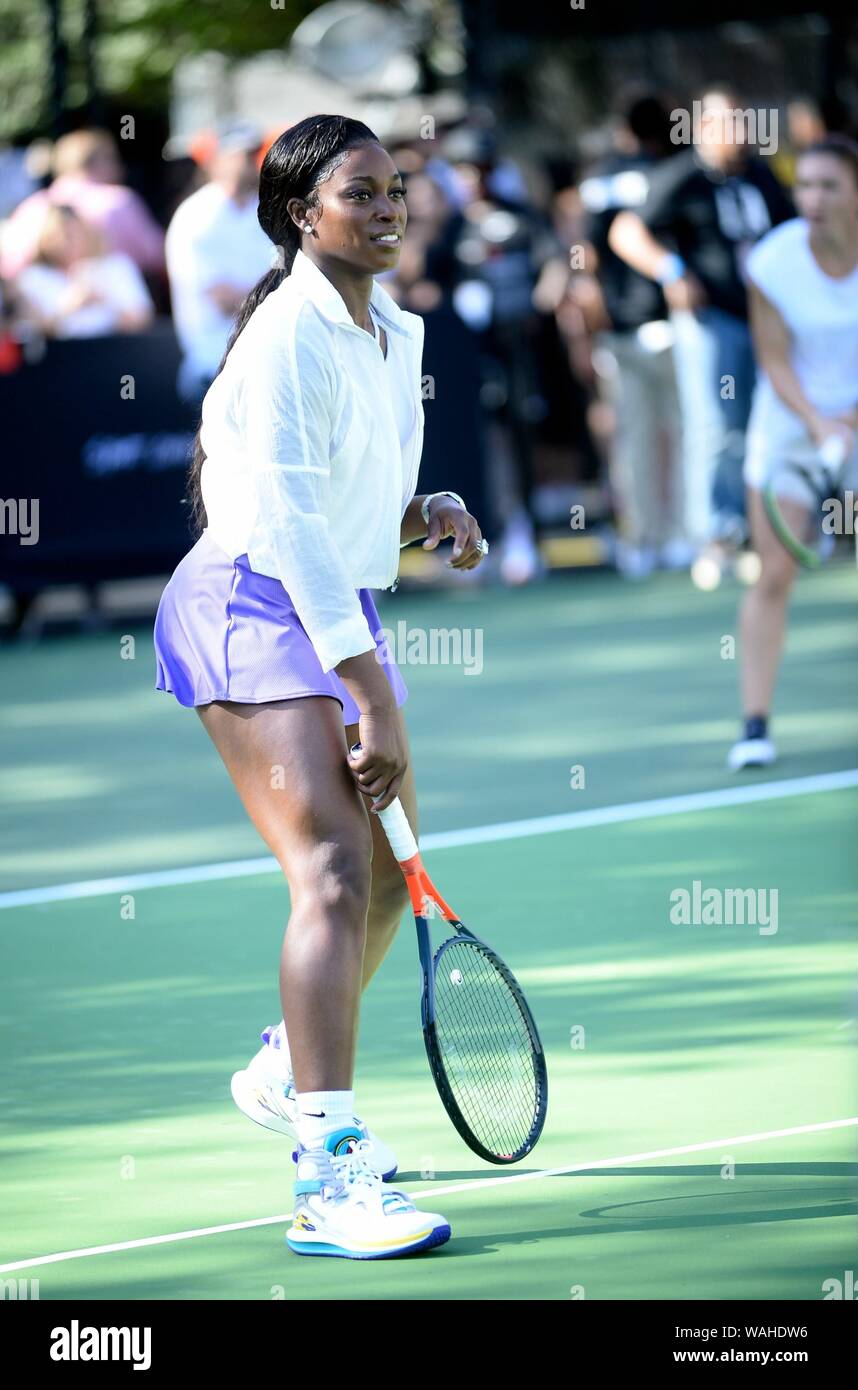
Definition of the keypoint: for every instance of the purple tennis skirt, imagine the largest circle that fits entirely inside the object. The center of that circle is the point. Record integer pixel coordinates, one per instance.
(224, 632)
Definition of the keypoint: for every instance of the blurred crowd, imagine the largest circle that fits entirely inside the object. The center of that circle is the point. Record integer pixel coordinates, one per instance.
(605, 293)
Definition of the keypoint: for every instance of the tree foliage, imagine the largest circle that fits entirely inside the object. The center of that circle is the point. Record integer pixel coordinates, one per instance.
(137, 46)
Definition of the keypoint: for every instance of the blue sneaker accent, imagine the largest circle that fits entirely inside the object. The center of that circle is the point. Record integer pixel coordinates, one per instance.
(385, 1177)
(395, 1201)
(338, 1144)
(308, 1185)
(342, 1141)
(439, 1236)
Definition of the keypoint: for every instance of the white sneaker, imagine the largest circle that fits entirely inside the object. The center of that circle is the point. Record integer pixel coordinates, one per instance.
(265, 1092)
(677, 554)
(341, 1207)
(751, 752)
(634, 561)
(520, 558)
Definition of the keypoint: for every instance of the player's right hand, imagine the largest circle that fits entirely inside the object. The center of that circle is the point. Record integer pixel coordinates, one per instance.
(379, 767)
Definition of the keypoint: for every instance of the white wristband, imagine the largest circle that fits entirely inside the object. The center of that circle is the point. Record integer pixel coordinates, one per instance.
(424, 506)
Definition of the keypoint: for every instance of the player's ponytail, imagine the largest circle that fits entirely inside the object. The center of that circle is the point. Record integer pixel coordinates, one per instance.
(299, 161)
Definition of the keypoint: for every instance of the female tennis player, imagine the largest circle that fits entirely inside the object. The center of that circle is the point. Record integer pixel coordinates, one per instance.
(804, 317)
(303, 477)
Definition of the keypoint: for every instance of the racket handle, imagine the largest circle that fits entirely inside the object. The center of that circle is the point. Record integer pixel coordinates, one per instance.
(398, 831)
(396, 826)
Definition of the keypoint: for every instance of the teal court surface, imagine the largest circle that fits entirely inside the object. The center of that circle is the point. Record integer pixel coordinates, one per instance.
(702, 1128)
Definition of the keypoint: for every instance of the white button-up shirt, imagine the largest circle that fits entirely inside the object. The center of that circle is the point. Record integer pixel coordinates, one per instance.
(306, 471)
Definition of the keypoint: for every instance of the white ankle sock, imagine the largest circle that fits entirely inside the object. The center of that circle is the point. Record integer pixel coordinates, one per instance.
(320, 1113)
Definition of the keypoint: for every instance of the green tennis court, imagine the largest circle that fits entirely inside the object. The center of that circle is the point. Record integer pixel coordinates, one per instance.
(678, 1053)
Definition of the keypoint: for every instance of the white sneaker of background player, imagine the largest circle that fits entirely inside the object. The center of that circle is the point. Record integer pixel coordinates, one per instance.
(635, 561)
(520, 557)
(676, 554)
(264, 1091)
(751, 752)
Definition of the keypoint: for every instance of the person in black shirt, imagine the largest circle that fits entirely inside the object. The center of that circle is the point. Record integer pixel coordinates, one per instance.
(502, 248)
(703, 213)
(635, 352)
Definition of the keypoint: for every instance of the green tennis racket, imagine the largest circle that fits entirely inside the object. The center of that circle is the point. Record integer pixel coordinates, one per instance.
(797, 498)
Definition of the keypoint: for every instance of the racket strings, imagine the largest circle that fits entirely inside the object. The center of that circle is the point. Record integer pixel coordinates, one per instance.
(486, 1046)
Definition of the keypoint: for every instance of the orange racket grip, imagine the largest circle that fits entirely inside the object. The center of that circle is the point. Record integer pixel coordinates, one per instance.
(404, 845)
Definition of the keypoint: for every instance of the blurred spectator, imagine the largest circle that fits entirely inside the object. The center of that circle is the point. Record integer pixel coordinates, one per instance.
(427, 269)
(704, 211)
(501, 249)
(74, 288)
(87, 177)
(11, 354)
(16, 178)
(635, 357)
(423, 282)
(216, 252)
(805, 127)
(424, 155)
(581, 307)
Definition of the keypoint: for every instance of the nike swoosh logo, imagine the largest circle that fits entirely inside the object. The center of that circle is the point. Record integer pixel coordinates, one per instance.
(310, 1116)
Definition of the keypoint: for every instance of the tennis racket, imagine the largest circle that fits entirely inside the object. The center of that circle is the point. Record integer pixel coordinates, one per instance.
(484, 1051)
(811, 484)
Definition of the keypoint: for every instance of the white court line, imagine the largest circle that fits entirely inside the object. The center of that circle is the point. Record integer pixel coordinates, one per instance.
(433, 1193)
(452, 839)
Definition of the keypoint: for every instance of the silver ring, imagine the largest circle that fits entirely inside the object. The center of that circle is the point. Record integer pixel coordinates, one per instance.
(483, 547)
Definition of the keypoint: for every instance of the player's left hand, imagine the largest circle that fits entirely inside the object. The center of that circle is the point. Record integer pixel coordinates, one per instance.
(447, 518)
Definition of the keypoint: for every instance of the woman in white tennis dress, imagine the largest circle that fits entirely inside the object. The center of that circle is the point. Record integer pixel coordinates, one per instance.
(804, 316)
(304, 476)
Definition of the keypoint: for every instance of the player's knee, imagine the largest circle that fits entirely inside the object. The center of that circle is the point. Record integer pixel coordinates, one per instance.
(776, 577)
(341, 878)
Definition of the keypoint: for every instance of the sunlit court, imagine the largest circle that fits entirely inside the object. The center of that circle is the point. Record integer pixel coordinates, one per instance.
(428, 679)
(701, 1123)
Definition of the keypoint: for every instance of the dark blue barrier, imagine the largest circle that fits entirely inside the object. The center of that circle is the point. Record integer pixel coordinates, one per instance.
(95, 434)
